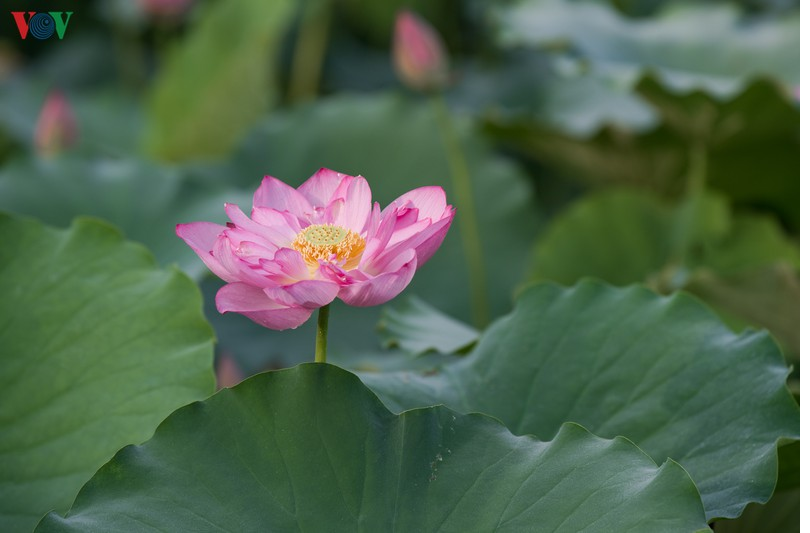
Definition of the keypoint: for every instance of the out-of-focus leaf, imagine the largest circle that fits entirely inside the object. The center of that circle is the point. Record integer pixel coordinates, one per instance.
(145, 199)
(312, 449)
(621, 236)
(642, 8)
(108, 122)
(580, 104)
(710, 47)
(789, 467)
(744, 267)
(417, 327)
(552, 92)
(767, 297)
(753, 241)
(652, 160)
(780, 514)
(98, 346)
(751, 144)
(374, 21)
(80, 61)
(218, 81)
(662, 371)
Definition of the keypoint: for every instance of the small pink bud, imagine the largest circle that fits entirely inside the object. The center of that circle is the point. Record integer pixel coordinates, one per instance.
(420, 58)
(56, 127)
(228, 372)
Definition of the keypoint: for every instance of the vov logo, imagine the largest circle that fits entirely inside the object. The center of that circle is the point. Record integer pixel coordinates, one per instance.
(42, 25)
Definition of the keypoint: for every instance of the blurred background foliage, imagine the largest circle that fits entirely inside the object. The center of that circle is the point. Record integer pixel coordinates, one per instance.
(627, 140)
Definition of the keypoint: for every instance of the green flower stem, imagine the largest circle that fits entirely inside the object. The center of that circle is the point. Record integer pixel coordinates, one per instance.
(320, 335)
(676, 274)
(310, 51)
(698, 161)
(704, 122)
(695, 184)
(462, 186)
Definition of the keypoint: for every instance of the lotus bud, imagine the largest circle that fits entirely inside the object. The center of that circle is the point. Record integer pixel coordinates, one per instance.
(419, 55)
(228, 372)
(56, 127)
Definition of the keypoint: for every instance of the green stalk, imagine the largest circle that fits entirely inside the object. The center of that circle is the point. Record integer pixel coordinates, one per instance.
(320, 334)
(695, 184)
(309, 52)
(675, 275)
(696, 179)
(462, 186)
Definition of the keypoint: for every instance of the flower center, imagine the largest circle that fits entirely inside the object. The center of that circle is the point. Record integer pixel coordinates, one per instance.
(329, 243)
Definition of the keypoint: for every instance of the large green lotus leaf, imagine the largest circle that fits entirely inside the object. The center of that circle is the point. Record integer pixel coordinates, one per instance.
(218, 81)
(98, 346)
(312, 449)
(395, 144)
(661, 371)
(743, 266)
(701, 46)
(146, 200)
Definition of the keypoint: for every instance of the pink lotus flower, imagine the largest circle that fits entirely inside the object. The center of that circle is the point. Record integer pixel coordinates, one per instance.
(302, 248)
(419, 55)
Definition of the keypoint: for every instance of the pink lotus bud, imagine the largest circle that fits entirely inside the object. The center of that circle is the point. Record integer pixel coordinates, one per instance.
(228, 372)
(420, 58)
(56, 127)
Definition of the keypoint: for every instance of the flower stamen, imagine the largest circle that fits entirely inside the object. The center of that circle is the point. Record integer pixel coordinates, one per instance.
(325, 242)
